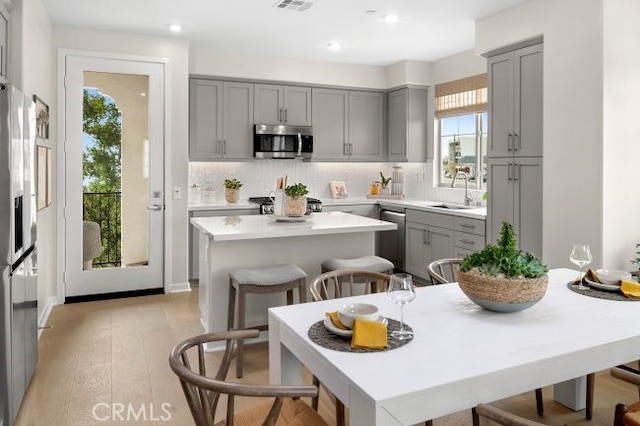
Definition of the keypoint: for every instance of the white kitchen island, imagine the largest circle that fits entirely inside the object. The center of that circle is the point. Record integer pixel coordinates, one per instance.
(233, 242)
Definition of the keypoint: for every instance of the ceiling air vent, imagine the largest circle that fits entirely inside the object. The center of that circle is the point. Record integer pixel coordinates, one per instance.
(297, 5)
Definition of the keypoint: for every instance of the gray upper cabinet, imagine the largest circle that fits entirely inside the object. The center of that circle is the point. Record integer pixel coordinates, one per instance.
(348, 125)
(4, 54)
(220, 120)
(366, 126)
(515, 103)
(408, 125)
(276, 104)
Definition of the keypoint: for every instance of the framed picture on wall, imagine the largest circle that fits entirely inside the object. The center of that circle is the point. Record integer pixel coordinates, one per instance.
(42, 118)
(338, 189)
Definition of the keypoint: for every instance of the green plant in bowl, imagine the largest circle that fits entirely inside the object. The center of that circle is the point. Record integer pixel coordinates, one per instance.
(296, 190)
(502, 278)
(232, 183)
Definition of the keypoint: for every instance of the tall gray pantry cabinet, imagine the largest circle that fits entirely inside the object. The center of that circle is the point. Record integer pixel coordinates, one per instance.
(514, 150)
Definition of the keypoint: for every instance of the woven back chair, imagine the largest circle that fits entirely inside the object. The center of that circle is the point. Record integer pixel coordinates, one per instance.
(443, 271)
(499, 416)
(203, 391)
(333, 284)
(627, 415)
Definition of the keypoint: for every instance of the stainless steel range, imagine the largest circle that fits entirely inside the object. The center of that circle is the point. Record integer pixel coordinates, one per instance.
(266, 204)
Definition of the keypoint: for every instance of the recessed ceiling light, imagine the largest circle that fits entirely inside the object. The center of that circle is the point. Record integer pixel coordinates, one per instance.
(176, 28)
(391, 18)
(370, 12)
(334, 45)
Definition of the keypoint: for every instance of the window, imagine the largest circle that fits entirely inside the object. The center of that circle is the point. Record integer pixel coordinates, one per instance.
(461, 122)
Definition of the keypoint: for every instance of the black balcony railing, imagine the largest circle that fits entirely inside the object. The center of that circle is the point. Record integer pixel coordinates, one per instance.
(104, 208)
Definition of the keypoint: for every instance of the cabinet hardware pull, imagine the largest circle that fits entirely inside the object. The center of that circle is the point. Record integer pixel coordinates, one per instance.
(516, 142)
(219, 150)
(224, 148)
(466, 225)
(345, 149)
(465, 241)
(509, 172)
(509, 142)
(424, 236)
(280, 115)
(516, 172)
(286, 115)
(428, 238)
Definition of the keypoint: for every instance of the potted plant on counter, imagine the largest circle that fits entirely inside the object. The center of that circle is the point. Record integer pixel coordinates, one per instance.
(232, 190)
(384, 182)
(295, 200)
(502, 278)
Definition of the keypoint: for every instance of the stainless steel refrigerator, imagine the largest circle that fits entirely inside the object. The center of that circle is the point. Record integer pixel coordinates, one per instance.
(18, 252)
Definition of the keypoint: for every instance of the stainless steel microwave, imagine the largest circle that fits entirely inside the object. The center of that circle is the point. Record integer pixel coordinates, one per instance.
(282, 141)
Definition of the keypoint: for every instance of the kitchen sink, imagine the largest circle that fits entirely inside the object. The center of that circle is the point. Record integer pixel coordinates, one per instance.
(453, 206)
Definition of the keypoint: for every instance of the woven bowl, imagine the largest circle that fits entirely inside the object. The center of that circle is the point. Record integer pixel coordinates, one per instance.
(501, 294)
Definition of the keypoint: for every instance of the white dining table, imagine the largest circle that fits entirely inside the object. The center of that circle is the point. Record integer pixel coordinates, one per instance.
(461, 354)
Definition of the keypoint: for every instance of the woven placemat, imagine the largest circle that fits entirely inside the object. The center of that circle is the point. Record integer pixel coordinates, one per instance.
(319, 334)
(600, 294)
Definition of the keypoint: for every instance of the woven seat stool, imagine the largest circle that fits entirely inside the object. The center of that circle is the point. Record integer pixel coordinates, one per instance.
(365, 263)
(268, 279)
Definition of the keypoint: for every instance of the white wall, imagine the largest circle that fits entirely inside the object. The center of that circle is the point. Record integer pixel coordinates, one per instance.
(176, 127)
(33, 72)
(621, 147)
(211, 63)
(409, 72)
(455, 67)
(573, 116)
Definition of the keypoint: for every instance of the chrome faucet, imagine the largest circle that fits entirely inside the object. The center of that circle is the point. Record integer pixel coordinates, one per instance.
(467, 198)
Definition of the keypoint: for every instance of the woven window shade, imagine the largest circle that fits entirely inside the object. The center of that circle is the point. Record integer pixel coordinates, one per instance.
(464, 96)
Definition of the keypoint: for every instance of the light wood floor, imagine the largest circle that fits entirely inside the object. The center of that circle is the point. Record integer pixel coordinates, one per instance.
(114, 354)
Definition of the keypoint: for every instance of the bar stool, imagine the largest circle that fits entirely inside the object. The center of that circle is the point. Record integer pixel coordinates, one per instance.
(269, 279)
(365, 263)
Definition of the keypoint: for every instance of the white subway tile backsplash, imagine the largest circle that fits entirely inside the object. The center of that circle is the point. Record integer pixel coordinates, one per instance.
(259, 177)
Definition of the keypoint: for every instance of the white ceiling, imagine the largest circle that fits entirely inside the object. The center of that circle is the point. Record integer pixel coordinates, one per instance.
(427, 30)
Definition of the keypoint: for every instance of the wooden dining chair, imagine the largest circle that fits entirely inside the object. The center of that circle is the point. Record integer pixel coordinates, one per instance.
(203, 391)
(627, 415)
(443, 271)
(337, 284)
(499, 416)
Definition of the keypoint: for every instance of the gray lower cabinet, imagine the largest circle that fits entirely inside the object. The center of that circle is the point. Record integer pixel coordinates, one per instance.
(290, 105)
(348, 125)
(220, 120)
(432, 236)
(408, 125)
(515, 195)
(428, 236)
(194, 235)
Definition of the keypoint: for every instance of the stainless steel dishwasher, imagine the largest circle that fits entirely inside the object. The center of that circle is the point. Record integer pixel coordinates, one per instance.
(391, 243)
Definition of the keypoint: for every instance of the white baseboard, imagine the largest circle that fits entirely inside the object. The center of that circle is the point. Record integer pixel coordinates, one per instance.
(44, 316)
(179, 287)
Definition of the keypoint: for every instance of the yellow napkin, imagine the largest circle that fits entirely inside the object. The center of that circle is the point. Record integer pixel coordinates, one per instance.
(591, 275)
(630, 288)
(369, 334)
(336, 320)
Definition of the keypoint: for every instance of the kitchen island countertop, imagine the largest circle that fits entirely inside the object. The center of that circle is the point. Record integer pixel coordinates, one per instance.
(253, 227)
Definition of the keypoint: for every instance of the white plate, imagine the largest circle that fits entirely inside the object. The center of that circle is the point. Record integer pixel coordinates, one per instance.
(345, 333)
(290, 218)
(601, 286)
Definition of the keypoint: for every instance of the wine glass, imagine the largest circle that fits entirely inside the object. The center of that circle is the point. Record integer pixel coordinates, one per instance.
(401, 292)
(581, 256)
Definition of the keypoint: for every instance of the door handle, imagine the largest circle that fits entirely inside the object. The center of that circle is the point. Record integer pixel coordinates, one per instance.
(155, 207)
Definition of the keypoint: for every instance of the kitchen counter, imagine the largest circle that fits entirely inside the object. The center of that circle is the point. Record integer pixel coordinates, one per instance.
(424, 205)
(265, 226)
(247, 241)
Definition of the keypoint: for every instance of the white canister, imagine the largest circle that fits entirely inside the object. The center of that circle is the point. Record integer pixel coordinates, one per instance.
(397, 181)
